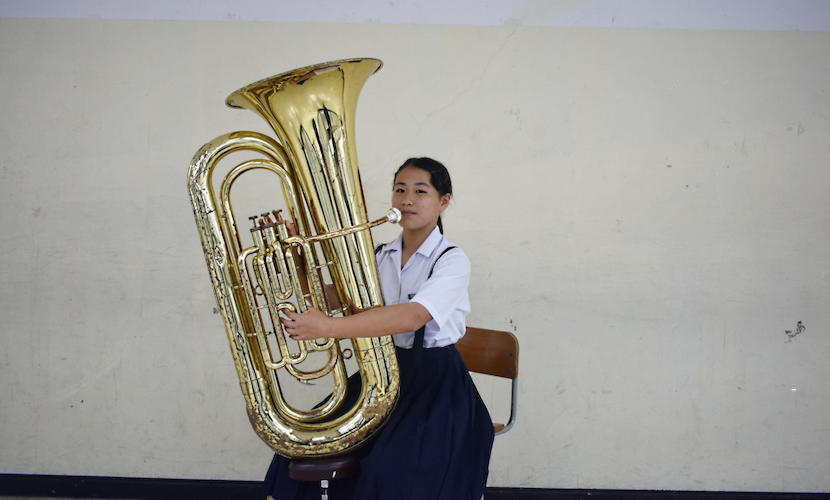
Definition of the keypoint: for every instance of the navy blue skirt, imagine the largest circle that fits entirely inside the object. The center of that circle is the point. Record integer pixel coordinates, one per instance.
(435, 445)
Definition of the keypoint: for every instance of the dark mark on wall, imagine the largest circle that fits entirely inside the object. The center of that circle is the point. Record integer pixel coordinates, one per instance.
(799, 329)
(797, 128)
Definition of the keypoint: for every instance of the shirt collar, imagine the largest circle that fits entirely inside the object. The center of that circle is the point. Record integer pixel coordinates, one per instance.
(431, 243)
(427, 247)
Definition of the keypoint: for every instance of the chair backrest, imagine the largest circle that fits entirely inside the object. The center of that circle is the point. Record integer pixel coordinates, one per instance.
(492, 352)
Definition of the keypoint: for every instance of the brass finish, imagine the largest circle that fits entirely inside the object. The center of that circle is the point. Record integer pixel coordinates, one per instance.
(285, 268)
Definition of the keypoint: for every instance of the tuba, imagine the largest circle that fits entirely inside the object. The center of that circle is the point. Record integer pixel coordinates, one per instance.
(296, 259)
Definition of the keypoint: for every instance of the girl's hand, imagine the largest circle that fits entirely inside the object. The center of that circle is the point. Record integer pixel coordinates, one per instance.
(309, 325)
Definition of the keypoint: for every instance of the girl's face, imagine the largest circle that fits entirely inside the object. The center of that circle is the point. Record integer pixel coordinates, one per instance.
(419, 202)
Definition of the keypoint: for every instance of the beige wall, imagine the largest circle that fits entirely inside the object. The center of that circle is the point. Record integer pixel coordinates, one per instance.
(646, 209)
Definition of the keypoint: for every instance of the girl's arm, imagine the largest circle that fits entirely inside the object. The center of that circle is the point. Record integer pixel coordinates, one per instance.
(376, 322)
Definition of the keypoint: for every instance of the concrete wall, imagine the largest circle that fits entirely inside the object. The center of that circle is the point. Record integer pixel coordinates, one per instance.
(646, 208)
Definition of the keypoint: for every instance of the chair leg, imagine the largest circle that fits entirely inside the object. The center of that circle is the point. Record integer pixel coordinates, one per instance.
(324, 489)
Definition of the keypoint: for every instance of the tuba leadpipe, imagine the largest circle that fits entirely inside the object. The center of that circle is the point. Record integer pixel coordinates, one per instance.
(283, 262)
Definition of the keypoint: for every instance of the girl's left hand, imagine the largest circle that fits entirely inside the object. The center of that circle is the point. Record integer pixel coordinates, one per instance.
(309, 325)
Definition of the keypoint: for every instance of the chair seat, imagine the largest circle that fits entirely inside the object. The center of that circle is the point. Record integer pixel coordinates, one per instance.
(498, 427)
(320, 469)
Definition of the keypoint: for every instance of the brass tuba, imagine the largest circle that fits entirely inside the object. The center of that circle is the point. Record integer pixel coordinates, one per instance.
(288, 262)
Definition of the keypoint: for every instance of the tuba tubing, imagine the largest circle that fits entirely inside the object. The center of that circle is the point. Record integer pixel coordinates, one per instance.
(311, 110)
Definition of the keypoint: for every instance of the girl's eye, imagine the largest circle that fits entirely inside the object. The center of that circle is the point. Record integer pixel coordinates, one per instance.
(420, 191)
(399, 190)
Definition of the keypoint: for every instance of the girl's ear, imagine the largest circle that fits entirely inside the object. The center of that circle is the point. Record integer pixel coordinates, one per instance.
(445, 201)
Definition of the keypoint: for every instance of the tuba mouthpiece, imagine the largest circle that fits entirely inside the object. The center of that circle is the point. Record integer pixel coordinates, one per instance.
(394, 215)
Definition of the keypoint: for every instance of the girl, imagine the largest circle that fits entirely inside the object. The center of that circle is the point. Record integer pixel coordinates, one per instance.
(436, 443)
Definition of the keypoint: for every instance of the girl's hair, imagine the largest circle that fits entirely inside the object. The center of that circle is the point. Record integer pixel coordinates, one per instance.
(439, 177)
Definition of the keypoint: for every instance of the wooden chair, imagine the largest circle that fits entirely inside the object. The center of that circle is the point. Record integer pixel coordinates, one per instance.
(493, 352)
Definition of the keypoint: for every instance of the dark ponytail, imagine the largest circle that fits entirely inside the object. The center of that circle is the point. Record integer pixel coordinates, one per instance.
(439, 177)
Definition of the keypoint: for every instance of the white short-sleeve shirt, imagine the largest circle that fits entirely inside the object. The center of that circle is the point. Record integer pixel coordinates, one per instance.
(445, 295)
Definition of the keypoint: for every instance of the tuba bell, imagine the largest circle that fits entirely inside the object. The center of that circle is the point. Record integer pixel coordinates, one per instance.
(291, 261)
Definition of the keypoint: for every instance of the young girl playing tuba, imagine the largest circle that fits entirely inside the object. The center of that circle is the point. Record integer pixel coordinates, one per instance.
(436, 444)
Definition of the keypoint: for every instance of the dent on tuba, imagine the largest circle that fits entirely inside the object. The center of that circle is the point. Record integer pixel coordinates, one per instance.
(271, 266)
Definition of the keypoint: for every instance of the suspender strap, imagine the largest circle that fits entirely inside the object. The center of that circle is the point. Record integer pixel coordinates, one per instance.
(436, 261)
(419, 335)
